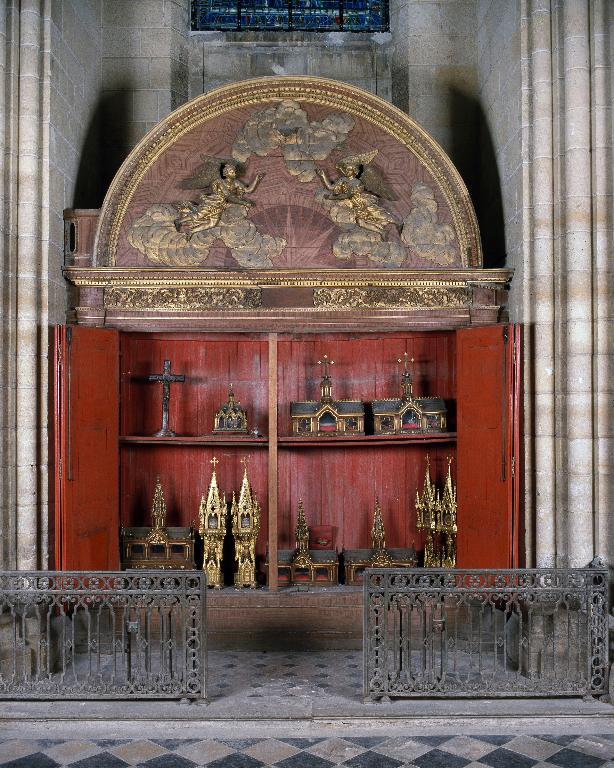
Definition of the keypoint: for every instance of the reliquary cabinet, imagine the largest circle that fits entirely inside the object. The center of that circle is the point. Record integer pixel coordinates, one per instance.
(256, 230)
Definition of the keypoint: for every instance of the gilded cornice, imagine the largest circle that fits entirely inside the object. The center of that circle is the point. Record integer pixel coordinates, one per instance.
(106, 277)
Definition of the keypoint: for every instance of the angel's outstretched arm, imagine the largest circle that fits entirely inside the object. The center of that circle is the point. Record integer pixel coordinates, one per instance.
(254, 184)
(329, 185)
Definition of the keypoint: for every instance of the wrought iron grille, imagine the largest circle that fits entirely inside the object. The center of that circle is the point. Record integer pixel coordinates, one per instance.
(291, 15)
(104, 635)
(433, 632)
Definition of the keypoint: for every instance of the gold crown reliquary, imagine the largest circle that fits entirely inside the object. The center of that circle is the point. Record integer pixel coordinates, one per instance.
(231, 418)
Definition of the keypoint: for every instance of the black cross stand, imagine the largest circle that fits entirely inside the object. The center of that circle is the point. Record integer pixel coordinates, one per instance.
(166, 378)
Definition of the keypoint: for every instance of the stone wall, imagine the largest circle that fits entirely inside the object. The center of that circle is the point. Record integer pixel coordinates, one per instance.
(218, 58)
(144, 72)
(435, 76)
(499, 198)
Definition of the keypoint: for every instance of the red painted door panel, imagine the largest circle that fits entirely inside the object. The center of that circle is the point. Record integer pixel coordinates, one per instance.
(487, 433)
(87, 448)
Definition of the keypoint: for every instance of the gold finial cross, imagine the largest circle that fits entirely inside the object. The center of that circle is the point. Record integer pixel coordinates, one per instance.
(215, 462)
(325, 362)
(404, 360)
(245, 461)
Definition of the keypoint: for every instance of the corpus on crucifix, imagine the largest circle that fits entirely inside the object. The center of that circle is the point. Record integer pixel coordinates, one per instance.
(166, 378)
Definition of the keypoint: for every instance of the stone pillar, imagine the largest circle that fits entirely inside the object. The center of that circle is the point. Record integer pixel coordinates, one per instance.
(567, 188)
(538, 307)
(9, 67)
(602, 142)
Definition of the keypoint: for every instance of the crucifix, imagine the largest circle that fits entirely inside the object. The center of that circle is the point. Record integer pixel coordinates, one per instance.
(166, 378)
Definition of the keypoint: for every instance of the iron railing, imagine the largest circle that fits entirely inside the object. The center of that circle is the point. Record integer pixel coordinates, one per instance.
(80, 635)
(433, 632)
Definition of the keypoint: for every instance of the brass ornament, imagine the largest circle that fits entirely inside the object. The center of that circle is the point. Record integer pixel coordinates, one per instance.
(380, 557)
(212, 517)
(158, 533)
(412, 297)
(245, 529)
(436, 514)
(183, 299)
(302, 558)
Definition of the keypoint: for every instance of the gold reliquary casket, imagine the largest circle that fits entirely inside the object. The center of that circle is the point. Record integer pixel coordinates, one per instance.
(157, 546)
(408, 414)
(302, 565)
(327, 417)
(356, 561)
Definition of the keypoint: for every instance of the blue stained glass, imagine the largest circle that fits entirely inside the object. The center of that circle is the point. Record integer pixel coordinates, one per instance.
(308, 15)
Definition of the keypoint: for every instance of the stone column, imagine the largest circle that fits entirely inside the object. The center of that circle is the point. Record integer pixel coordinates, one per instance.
(567, 140)
(602, 141)
(538, 309)
(31, 288)
(9, 63)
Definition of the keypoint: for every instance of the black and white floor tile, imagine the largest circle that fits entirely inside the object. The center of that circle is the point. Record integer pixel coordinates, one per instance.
(502, 751)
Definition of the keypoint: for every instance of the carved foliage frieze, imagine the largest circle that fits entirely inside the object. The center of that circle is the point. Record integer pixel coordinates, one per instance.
(412, 297)
(187, 299)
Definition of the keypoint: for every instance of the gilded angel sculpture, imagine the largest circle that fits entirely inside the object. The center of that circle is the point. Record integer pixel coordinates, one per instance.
(352, 202)
(222, 188)
(358, 189)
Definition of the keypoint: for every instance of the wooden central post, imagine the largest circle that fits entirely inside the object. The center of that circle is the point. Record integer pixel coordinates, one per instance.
(272, 462)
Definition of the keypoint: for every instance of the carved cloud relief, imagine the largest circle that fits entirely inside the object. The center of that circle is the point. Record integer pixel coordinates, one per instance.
(422, 231)
(154, 234)
(182, 234)
(303, 142)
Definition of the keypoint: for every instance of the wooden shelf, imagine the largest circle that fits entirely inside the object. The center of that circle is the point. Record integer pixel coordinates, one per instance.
(211, 440)
(357, 441)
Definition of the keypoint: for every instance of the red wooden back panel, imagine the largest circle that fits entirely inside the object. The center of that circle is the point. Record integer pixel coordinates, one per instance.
(485, 436)
(87, 502)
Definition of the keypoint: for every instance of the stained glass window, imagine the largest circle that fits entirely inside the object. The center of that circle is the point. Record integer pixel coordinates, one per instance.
(299, 15)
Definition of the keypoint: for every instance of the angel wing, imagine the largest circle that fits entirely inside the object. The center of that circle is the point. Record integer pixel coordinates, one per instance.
(375, 183)
(363, 159)
(209, 170)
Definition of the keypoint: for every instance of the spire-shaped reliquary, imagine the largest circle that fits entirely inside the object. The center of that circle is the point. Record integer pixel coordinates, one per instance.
(327, 416)
(408, 414)
(158, 534)
(212, 516)
(380, 558)
(245, 529)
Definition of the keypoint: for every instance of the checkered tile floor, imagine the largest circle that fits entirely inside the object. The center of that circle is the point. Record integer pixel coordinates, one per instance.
(369, 752)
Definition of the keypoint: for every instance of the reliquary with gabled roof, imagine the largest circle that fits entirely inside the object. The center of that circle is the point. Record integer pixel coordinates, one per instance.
(327, 416)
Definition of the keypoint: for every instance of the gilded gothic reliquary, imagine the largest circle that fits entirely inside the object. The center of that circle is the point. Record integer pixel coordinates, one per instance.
(408, 414)
(327, 417)
(212, 517)
(231, 418)
(358, 560)
(157, 546)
